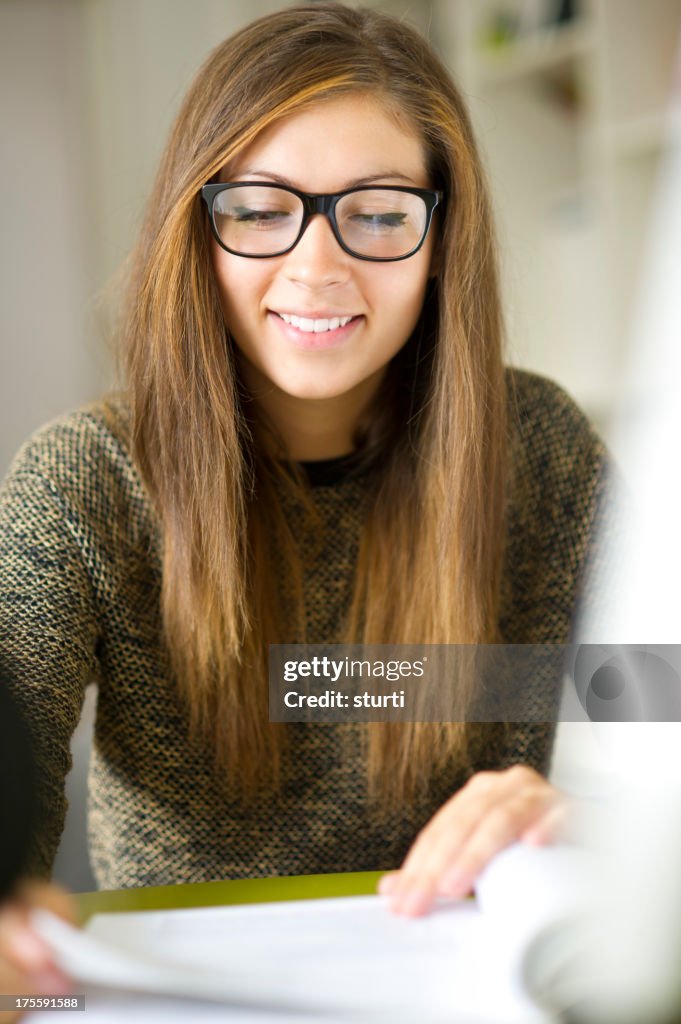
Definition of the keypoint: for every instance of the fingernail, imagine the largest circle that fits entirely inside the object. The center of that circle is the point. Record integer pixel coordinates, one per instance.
(387, 883)
(28, 949)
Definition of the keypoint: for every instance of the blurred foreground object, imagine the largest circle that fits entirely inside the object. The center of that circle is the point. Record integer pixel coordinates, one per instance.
(16, 793)
(618, 963)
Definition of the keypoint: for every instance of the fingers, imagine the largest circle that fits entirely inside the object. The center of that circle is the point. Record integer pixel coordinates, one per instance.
(19, 946)
(26, 964)
(504, 824)
(386, 884)
(13, 982)
(47, 896)
(436, 845)
(551, 826)
(493, 810)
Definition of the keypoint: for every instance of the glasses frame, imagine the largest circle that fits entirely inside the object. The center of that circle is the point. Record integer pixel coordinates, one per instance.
(324, 203)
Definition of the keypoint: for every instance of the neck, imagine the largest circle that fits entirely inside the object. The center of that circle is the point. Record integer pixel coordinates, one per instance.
(313, 428)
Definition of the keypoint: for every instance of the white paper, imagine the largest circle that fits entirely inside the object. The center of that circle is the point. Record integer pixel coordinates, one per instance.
(329, 959)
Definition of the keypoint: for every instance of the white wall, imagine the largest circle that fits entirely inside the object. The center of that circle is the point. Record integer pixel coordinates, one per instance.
(49, 359)
(88, 89)
(141, 56)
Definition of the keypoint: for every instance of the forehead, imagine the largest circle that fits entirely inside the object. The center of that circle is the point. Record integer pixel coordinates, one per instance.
(332, 144)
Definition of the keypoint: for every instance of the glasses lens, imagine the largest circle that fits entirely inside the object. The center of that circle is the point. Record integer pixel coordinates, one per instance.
(257, 220)
(381, 224)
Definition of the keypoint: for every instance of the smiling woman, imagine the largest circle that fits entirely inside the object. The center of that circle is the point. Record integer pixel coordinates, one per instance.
(317, 441)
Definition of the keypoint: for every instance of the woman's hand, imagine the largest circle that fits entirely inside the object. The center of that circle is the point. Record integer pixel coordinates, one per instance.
(490, 812)
(26, 966)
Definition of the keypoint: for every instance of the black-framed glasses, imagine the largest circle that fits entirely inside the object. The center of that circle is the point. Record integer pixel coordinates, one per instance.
(261, 219)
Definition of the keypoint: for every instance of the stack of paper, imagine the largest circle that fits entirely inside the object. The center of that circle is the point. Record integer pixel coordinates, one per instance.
(331, 959)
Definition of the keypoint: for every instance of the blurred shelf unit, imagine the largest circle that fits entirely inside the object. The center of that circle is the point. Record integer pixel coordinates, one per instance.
(570, 102)
(545, 48)
(640, 135)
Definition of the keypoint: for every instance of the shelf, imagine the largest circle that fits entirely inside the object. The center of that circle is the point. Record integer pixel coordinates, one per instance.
(573, 125)
(544, 50)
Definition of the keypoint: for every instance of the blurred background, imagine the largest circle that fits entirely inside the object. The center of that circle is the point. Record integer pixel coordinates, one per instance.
(569, 98)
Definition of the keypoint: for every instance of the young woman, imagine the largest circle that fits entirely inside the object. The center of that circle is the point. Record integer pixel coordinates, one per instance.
(318, 441)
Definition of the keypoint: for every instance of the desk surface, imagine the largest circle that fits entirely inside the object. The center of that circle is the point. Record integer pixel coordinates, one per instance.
(210, 894)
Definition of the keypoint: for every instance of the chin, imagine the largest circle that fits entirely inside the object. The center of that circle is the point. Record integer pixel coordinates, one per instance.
(317, 390)
(314, 393)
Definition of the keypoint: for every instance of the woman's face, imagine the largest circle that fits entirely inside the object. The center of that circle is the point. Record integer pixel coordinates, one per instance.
(329, 147)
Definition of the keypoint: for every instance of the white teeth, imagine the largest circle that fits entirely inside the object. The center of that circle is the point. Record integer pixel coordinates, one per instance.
(315, 326)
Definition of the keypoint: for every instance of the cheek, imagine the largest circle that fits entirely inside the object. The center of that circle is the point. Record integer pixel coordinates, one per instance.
(403, 300)
(240, 286)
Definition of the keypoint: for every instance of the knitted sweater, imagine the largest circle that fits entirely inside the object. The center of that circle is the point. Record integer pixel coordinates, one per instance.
(80, 576)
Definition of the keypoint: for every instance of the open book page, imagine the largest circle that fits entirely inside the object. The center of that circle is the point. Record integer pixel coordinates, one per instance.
(335, 959)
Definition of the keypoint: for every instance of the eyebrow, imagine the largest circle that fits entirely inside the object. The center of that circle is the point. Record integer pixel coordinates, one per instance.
(354, 183)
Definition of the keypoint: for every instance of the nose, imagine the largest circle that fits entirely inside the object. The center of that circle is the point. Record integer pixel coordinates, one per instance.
(317, 260)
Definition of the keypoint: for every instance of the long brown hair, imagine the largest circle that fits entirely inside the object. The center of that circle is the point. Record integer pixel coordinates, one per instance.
(432, 548)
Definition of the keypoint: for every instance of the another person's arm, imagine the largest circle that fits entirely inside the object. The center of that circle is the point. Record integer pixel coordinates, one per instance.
(26, 966)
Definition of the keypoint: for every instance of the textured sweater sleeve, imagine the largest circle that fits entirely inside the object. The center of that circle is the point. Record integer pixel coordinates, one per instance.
(48, 626)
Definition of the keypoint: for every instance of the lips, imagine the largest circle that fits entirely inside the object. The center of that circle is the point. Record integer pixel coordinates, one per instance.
(316, 332)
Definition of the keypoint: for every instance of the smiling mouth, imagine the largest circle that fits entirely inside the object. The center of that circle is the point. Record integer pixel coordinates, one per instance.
(316, 326)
